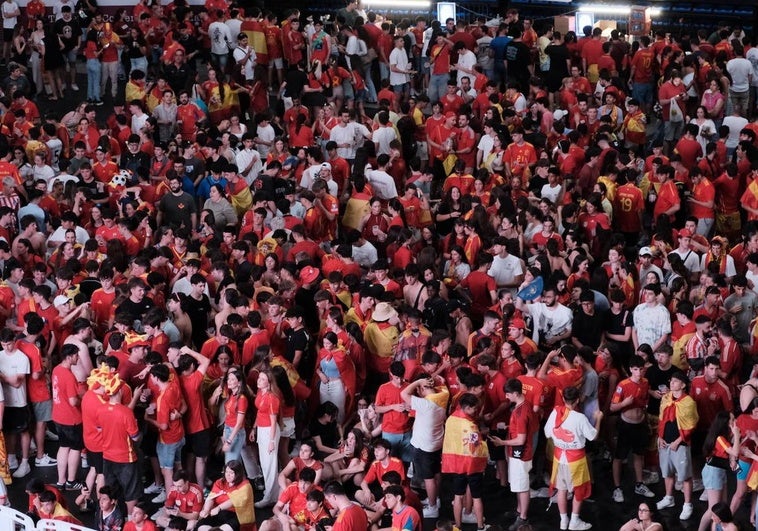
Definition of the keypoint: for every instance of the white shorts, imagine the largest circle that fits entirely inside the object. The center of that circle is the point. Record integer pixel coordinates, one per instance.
(276, 63)
(563, 479)
(518, 474)
(422, 151)
(288, 427)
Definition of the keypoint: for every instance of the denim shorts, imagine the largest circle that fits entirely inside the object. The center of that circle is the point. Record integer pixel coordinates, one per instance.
(713, 478)
(168, 454)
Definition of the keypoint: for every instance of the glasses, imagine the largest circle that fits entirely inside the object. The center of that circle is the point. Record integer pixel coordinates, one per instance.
(643, 510)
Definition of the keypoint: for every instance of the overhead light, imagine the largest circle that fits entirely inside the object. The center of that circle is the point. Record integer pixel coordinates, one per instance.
(401, 4)
(655, 11)
(603, 9)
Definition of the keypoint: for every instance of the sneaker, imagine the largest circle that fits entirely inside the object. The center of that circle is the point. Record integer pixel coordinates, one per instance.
(697, 485)
(642, 490)
(73, 485)
(686, 511)
(262, 504)
(22, 470)
(45, 460)
(485, 528)
(577, 524)
(98, 102)
(665, 503)
(518, 523)
(618, 495)
(703, 496)
(542, 492)
(12, 462)
(650, 478)
(50, 436)
(33, 447)
(410, 473)
(161, 497)
(75, 87)
(85, 463)
(431, 511)
(153, 489)
(564, 522)
(468, 518)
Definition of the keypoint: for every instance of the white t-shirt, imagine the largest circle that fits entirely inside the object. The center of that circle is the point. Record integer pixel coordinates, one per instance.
(8, 8)
(729, 270)
(267, 134)
(10, 365)
(576, 424)
(221, 38)
(239, 54)
(382, 138)
(429, 426)
(244, 157)
(398, 58)
(466, 59)
(740, 69)
(383, 183)
(549, 323)
(691, 260)
(551, 192)
(752, 56)
(486, 143)
(505, 270)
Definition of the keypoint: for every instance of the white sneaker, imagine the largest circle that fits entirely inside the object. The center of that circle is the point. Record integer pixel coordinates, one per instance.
(697, 485)
(650, 478)
(12, 462)
(665, 503)
(75, 87)
(33, 447)
(703, 496)
(564, 522)
(45, 460)
(160, 498)
(153, 489)
(431, 511)
(642, 490)
(468, 518)
(85, 463)
(686, 511)
(618, 495)
(577, 524)
(22, 470)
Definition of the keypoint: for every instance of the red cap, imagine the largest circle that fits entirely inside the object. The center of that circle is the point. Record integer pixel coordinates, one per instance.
(518, 322)
(450, 114)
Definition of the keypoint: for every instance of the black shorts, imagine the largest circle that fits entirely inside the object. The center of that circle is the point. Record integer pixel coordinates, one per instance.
(95, 460)
(125, 475)
(149, 442)
(228, 518)
(497, 453)
(16, 419)
(472, 481)
(386, 520)
(70, 436)
(199, 444)
(631, 437)
(426, 465)
(7, 35)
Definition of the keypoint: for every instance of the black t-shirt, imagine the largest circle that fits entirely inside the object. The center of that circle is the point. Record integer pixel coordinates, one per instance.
(296, 340)
(656, 378)
(586, 328)
(135, 309)
(70, 32)
(296, 79)
(198, 312)
(519, 58)
(326, 432)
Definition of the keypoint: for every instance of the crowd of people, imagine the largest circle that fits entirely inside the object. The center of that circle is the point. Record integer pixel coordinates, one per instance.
(317, 269)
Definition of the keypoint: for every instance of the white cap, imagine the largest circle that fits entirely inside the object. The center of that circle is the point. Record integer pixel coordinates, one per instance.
(559, 114)
(60, 300)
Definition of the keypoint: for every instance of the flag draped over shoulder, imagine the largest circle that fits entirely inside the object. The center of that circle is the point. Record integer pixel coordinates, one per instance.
(242, 498)
(684, 412)
(463, 450)
(575, 459)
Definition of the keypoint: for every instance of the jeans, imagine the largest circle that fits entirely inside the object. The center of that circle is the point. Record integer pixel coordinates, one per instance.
(235, 448)
(437, 86)
(140, 63)
(401, 445)
(369, 81)
(740, 99)
(93, 79)
(384, 70)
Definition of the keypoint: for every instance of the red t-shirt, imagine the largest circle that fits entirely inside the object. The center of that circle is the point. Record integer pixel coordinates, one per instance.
(376, 470)
(37, 390)
(523, 420)
(392, 421)
(91, 404)
(297, 501)
(627, 388)
(118, 426)
(65, 387)
(233, 406)
(560, 379)
(710, 399)
(267, 404)
(353, 518)
(196, 418)
(188, 502)
(169, 400)
(690, 150)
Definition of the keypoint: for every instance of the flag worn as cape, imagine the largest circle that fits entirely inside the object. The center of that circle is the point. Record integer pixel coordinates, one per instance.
(464, 451)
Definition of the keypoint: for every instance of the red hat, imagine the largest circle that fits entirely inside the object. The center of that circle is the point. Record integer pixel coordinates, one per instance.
(685, 233)
(308, 274)
(449, 114)
(518, 322)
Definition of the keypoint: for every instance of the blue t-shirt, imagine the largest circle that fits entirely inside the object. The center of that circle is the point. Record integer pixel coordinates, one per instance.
(498, 44)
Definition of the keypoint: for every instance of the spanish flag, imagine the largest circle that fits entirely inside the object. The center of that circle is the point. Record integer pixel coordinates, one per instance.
(682, 410)
(257, 40)
(576, 459)
(463, 451)
(241, 496)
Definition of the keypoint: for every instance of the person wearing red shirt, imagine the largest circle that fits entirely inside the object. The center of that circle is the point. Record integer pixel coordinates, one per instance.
(727, 202)
(119, 431)
(185, 500)
(67, 416)
(292, 503)
(404, 517)
(267, 436)
(672, 95)
(629, 207)
(495, 410)
(630, 398)
(350, 517)
(293, 43)
(668, 201)
(465, 145)
(170, 406)
(591, 52)
(439, 64)
(370, 490)
(518, 155)
(701, 202)
(641, 74)
(481, 285)
(688, 147)
(560, 377)
(710, 394)
(389, 403)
